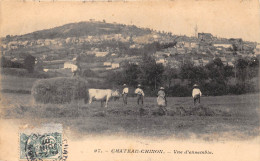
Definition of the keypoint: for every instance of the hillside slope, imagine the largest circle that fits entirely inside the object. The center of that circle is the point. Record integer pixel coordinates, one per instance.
(84, 29)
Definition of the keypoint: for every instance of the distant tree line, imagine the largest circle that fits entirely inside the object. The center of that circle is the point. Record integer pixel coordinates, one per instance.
(213, 78)
(6, 63)
(28, 63)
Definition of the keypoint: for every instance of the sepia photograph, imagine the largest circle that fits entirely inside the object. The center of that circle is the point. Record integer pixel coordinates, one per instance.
(129, 80)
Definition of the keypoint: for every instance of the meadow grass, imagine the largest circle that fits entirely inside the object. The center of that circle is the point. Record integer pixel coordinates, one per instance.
(16, 83)
(239, 117)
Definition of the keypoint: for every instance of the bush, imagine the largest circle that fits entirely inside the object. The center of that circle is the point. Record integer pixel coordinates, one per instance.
(59, 90)
(179, 91)
(241, 88)
(149, 91)
(6, 63)
(214, 89)
(29, 63)
(23, 73)
(88, 73)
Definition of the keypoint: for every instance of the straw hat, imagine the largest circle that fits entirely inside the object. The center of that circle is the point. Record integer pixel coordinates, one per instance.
(161, 88)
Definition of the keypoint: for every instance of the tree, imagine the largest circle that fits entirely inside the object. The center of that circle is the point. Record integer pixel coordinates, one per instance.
(6, 63)
(152, 47)
(86, 58)
(169, 74)
(228, 71)
(8, 37)
(115, 78)
(219, 75)
(216, 71)
(235, 47)
(150, 72)
(253, 67)
(195, 74)
(130, 74)
(87, 73)
(241, 66)
(29, 63)
(187, 71)
(39, 65)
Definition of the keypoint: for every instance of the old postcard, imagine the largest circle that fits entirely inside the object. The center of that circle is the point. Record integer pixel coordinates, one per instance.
(129, 80)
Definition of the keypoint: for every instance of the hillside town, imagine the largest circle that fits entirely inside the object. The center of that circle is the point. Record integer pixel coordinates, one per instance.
(109, 51)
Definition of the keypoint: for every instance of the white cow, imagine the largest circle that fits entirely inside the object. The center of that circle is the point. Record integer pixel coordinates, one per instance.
(103, 95)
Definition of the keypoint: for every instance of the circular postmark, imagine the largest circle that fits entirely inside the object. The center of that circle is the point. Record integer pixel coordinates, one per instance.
(46, 146)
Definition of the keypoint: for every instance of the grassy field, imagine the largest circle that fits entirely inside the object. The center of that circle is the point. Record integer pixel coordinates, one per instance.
(16, 83)
(234, 117)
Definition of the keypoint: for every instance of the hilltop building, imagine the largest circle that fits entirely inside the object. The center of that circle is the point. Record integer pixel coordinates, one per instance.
(107, 63)
(257, 49)
(221, 46)
(101, 54)
(161, 60)
(115, 65)
(205, 36)
(70, 65)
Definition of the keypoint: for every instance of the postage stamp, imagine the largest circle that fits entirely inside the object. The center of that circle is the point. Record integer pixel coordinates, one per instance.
(43, 143)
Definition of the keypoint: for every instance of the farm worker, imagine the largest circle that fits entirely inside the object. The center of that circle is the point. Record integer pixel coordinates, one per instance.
(140, 94)
(125, 93)
(161, 100)
(196, 94)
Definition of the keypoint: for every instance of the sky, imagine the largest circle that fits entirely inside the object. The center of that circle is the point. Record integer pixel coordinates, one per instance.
(222, 18)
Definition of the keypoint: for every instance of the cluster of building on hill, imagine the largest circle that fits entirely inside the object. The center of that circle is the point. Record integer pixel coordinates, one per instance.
(60, 42)
(200, 50)
(205, 48)
(11, 44)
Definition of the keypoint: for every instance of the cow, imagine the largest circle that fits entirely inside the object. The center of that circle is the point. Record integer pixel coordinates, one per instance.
(103, 95)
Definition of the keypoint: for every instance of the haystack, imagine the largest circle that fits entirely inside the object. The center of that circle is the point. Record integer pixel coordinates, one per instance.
(59, 90)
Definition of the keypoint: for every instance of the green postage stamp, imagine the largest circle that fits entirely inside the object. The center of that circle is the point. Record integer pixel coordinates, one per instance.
(44, 143)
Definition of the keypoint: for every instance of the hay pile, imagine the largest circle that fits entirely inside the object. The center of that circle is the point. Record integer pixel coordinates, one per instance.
(59, 90)
(200, 111)
(186, 111)
(123, 112)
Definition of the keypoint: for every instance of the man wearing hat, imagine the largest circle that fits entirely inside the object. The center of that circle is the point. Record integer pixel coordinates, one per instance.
(196, 93)
(140, 94)
(125, 93)
(161, 100)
